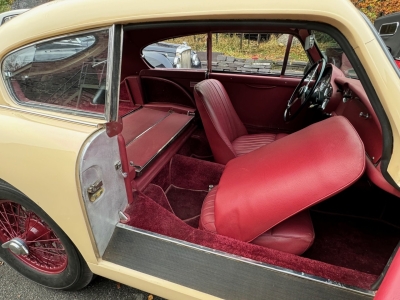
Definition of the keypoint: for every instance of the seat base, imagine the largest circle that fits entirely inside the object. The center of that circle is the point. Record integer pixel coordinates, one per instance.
(294, 235)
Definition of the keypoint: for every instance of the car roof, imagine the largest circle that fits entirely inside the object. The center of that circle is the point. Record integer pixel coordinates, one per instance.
(64, 16)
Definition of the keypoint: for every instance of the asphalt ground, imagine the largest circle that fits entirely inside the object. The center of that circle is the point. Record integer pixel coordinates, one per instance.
(15, 286)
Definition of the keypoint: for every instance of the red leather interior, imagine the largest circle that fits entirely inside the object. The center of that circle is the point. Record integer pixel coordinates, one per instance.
(251, 142)
(162, 90)
(225, 132)
(184, 78)
(221, 123)
(375, 175)
(259, 190)
(146, 146)
(170, 106)
(139, 121)
(294, 235)
(260, 101)
(135, 89)
(368, 128)
(146, 132)
(163, 158)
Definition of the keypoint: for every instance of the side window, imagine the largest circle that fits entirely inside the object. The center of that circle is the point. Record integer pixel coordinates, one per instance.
(256, 53)
(69, 72)
(298, 59)
(187, 52)
(334, 54)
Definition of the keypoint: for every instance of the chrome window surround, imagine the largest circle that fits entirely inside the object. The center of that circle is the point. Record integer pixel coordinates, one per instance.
(113, 72)
(60, 109)
(389, 34)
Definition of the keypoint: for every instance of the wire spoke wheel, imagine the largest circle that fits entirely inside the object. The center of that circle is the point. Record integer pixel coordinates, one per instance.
(23, 229)
(33, 244)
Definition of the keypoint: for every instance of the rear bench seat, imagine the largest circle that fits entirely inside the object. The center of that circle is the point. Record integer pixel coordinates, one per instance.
(146, 134)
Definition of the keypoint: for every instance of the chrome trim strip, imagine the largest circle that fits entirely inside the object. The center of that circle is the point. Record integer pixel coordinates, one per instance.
(247, 260)
(113, 72)
(139, 169)
(39, 105)
(50, 116)
(390, 34)
(109, 71)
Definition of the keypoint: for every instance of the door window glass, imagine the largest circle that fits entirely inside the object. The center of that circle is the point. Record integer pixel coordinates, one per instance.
(66, 72)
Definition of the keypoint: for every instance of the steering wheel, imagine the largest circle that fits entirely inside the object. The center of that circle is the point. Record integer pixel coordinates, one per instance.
(303, 93)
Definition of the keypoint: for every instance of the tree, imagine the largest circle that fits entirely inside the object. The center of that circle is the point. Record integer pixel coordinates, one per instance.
(376, 8)
(5, 5)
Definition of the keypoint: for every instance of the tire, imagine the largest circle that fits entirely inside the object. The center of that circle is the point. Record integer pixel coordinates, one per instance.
(53, 261)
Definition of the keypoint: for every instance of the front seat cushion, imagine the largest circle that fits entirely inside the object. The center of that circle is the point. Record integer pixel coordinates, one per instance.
(294, 235)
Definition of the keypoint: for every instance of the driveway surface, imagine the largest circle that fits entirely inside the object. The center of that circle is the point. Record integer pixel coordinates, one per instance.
(15, 286)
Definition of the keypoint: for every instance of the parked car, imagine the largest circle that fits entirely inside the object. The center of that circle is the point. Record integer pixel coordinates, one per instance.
(8, 15)
(387, 27)
(233, 182)
(178, 56)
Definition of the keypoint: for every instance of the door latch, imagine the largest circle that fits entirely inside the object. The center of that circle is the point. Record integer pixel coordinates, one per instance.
(95, 190)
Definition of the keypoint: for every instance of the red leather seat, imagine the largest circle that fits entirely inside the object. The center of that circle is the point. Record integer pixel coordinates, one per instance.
(225, 132)
(294, 235)
(263, 197)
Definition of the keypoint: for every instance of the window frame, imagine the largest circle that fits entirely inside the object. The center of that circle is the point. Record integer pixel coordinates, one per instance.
(109, 113)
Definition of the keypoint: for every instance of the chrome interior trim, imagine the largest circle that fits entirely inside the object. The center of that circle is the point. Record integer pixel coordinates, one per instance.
(113, 72)
(96, 162)
(139, 169)
(109, 71)
(247, 260)
(48, 116)
(49, 107)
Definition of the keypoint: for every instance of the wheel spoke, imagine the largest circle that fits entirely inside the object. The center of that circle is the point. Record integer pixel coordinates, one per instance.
(47, 253)
(34, 240)
(10, 236)
(44, 241)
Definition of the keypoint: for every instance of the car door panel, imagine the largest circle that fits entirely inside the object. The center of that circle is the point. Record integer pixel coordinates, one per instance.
(177, 85)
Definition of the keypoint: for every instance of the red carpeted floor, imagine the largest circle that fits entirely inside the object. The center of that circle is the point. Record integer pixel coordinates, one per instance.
(347, 249)
(359, 244)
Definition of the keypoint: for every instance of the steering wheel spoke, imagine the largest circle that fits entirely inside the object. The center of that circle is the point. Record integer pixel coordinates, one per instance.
(304, 91)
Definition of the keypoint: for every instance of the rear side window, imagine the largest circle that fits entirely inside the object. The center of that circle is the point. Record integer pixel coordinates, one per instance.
(257, 53)
(388, 29)
(68, 73)
(187, 52)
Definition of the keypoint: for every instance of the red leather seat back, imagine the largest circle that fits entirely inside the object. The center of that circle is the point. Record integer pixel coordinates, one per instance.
(220, 120)
(259, 190)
